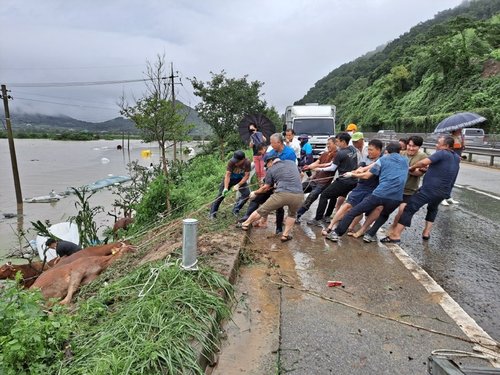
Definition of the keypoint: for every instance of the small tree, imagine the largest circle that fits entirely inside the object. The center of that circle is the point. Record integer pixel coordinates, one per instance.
(224, 103)
(158, 118)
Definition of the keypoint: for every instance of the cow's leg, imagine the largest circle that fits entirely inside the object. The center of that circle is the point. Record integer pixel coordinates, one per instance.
(75, 279)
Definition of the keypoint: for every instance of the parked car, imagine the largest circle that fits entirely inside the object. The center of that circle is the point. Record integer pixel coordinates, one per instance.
(473, 136)
(387, 135)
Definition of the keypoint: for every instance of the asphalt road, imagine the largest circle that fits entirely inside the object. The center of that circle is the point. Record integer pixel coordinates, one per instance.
(382, 320)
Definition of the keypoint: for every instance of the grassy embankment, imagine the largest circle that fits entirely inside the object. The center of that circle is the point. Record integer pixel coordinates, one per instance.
(140, 316)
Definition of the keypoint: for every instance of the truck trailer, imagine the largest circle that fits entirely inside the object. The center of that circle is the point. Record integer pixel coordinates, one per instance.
(317, 121)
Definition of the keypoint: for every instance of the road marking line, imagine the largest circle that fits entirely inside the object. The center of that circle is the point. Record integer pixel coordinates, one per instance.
(468, 325)
(478, 191)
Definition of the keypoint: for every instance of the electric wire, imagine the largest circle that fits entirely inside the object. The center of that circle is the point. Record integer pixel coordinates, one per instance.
(74, 84)
(66, 104)
(56, 97)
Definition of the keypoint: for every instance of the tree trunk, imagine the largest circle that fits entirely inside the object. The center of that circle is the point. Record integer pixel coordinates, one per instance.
(221, 147)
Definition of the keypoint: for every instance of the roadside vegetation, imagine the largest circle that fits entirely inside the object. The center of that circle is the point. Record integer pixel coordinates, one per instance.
(144, 314)
(135, 318)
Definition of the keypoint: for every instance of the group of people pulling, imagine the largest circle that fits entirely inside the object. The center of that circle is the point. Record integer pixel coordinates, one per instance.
(350, 178)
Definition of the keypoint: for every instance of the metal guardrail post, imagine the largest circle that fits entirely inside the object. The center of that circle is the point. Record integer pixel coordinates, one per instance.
(189, 244)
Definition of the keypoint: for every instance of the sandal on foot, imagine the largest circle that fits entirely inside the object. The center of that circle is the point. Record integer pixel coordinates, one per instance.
(358, 234)
(326, 232)
(244, 227)
(426, 238)
(389, 240)
(286, 238)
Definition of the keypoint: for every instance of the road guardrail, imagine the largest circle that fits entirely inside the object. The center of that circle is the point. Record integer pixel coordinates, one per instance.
(471, 150)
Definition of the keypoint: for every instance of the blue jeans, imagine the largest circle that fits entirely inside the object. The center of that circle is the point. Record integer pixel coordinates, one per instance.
(244, 191)
(416, 201)
(365, 206)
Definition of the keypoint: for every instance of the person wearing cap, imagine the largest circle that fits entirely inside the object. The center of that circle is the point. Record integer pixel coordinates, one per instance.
(62, 248)
(284, 176)
(278, 149)
(306, 151)
(351, 129)
(358, 141)
(236, 177)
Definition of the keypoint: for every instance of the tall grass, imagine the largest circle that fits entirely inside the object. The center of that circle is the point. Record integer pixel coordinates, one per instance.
(147, 322)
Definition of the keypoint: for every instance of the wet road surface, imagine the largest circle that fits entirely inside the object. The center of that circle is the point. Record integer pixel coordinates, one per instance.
(462, 256)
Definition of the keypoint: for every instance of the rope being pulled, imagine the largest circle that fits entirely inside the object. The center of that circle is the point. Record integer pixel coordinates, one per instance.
(489, 352)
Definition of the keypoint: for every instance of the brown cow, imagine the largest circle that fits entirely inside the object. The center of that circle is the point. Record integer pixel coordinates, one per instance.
(123, 223)
(28, 271)
(64, 281)
(100, 250)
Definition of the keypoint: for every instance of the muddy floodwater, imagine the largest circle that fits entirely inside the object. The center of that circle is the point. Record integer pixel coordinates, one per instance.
(46, 165)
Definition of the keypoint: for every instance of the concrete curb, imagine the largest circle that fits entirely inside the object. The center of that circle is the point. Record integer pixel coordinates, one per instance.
(230, 271)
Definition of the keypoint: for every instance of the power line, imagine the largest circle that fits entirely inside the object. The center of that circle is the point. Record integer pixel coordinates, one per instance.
(71, 68)
(69, 105)
(73, 84)
(57, 97)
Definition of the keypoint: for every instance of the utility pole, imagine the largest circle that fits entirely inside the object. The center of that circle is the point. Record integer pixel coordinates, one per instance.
(13, 159)
(172, 77)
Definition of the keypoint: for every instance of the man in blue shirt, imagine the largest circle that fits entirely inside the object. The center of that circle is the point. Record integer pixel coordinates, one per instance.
(442, 170)
(280, 150)
(392, 171)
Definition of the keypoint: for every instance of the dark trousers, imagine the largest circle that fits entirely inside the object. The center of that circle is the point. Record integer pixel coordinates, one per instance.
(257, 201)
(337, 188)
(417, 200)
(244, 191)
(314, 190)
(369, 203)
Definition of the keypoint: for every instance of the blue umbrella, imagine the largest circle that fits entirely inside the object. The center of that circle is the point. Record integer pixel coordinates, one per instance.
(459, 121)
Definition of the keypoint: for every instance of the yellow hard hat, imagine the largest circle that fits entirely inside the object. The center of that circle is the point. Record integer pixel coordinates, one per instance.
(351, 127)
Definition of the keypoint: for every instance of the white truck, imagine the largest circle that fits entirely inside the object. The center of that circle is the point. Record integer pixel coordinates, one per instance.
(317, 121)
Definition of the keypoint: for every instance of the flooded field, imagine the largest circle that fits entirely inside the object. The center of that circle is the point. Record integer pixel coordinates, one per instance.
(46, 165)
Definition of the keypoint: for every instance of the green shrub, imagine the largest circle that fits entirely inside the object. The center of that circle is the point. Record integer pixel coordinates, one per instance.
(154, 202)
(32, 339)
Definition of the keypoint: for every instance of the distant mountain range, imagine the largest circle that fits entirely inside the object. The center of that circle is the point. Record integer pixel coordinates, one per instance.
(39, 122)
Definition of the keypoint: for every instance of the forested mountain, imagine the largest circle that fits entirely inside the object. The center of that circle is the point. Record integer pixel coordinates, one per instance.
(445, 65)
(24, 122)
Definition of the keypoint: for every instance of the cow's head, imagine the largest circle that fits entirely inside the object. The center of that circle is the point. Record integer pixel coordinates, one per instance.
(7, 271)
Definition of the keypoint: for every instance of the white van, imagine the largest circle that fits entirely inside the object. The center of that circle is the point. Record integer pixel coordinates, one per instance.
(473, 136)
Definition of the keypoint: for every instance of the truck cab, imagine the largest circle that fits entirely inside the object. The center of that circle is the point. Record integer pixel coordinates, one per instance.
(317, 121)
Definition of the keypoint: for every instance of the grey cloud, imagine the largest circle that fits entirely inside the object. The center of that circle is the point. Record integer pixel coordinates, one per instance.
(287, 44)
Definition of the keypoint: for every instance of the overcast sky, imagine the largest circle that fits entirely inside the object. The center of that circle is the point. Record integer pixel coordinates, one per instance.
(287, 44)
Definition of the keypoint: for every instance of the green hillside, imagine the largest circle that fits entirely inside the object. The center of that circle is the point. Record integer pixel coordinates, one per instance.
(445, 65)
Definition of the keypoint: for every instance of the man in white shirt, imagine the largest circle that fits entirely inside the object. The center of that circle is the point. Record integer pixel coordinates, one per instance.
(292, 141)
